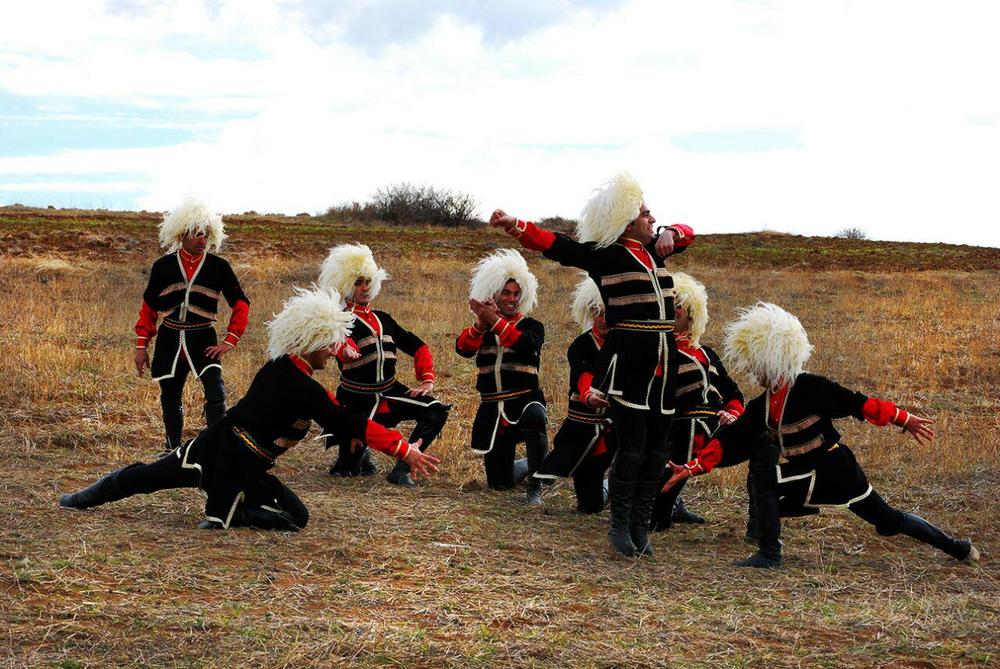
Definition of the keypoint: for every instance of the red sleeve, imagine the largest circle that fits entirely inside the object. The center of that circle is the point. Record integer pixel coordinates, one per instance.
(506, 332)
(423, 364)
(685, 235)
(145, 326)
(706, 458)
(386, 441)
(332, 398)
(882, 412)
(348, 343)
(531, 236)
(583, 385)
(734, 407)
(238, 320)
(469, 341)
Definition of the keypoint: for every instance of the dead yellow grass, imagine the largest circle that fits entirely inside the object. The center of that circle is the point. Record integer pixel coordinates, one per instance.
(453, 575)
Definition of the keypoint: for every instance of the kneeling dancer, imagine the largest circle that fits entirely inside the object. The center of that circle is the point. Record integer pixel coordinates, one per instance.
(706, 396)
(230, 459)
(793, 421)
(507, 345)
(368, 364)
(583, 446)
(638, 361)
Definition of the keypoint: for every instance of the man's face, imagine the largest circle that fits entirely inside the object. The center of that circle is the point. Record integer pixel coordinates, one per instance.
(508, 299)
(362, 291)
(601, 324)
(641, 229)
(195, 244)
(318, 359)
(682, 322)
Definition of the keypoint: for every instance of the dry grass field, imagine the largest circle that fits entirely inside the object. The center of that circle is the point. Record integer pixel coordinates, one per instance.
(451, 574)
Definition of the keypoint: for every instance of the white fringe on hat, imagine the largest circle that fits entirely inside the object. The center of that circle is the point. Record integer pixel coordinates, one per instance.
(310, 320)
(492, 273)
(691, 294)
(587, 301)
(192, 217)
(767, 343)
(345, 264)
(611, 208)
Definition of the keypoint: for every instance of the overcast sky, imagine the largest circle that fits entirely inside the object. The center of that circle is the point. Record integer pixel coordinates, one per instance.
(735, 115)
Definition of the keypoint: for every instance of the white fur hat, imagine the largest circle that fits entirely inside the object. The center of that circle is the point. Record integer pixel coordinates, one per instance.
(345, 264)
(190, 218)
(492, 273)
(767, 343)
(611, 208)
(691, 294)
(309, 320)
(586, 302)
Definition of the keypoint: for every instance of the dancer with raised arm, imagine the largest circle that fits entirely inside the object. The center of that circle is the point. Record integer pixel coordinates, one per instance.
(619, 250)
(367, 364)
(229, 460)
(507, 346)
(798, 463)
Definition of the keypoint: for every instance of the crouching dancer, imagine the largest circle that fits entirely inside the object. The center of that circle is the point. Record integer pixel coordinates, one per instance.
(793, 421)
(706, 396)
(230, 459)
(582, 447)
(507, 345)
(367, 364)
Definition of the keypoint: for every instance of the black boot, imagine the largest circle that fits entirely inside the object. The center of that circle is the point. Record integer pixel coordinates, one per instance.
(645, 497)
(400, 475)
(367, 466)
(215, 395)
(622, 488)
(520, 471)
(105, 489)
(752, 535)
(921, 530)
(536, 447)
(764, 492)
(681, 514)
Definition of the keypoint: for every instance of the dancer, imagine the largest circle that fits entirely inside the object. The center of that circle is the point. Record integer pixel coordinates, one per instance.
(368, 364)
(184, 287)
(793, 420)
(229, 460)
(706, 396)
(638, 362)
(507, 346)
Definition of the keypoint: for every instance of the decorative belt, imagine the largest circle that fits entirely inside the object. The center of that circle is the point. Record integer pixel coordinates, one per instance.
(252, 445)
(181, 325)
(644, 326)
(586, 417)
(699, 413)
(369, 388)
(504, 395)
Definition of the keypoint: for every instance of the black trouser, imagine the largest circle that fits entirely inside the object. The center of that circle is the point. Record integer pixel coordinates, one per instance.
(531, 429)
(889, 521)
(588, 483)
(638, 464)
(171, 400)
(285, 511)
(430, 420)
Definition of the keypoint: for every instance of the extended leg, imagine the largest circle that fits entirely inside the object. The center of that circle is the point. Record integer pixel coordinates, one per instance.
(135, 479)
(890, 522)
(215, 395)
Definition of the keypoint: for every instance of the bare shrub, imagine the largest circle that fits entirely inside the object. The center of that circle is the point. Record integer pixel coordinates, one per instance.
(852, 233)
(409, 203)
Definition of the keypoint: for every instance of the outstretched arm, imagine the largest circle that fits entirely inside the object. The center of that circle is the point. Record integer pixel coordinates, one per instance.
(553, 246)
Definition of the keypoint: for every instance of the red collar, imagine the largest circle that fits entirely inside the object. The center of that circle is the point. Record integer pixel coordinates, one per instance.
(359, 308)
(189, 258)
(633, 244)
(303, 366)
(597, 336)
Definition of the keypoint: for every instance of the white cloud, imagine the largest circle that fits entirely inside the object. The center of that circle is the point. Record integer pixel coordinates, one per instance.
(892, 102)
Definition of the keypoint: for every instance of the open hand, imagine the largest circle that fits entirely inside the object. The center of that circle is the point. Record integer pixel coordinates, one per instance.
(424, 388)
(216, 352)
(141, 360)
(680, 473)
(485, 311)
(422, 465)
(920, 428)
(595, 398)
(725, 418)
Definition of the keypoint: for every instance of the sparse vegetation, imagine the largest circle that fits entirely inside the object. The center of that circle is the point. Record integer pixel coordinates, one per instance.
(451, 574)
(405, 203)
(852, 233)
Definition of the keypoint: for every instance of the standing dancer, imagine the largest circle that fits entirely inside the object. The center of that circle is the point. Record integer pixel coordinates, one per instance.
(184, 287)
(507, 345)
(229, 460)
(793, 420)
(706, 395)
(581, 447)
(638, 361)
(368, 364)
